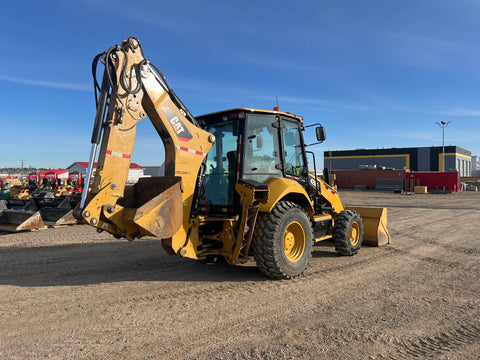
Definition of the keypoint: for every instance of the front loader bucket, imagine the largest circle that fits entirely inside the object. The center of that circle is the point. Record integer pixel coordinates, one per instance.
(18, 220)
(159, 206)
(57, 216)
(374, 221)
(20, 204)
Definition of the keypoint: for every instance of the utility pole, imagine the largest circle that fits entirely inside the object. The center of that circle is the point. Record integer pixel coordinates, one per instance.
(443, 125)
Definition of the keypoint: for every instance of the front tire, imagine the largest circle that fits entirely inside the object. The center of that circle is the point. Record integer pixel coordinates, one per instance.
(282, 242)
(348, 233)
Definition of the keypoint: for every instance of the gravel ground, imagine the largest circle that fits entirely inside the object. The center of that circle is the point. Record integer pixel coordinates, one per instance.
(72, 293)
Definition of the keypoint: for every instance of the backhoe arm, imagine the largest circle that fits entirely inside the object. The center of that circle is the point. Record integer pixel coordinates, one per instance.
(160, 206)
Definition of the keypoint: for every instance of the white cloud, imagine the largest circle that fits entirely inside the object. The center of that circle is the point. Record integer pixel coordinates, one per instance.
(49, 84)
(408, 135)
(318, 102)
(148, 12)
(459, 111)
(422, 51)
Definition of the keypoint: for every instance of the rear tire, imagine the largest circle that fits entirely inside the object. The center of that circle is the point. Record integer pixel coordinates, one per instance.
(348, 233)
(282, 242)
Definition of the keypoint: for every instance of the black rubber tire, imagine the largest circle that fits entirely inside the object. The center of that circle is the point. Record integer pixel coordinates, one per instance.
(344, 243)
(268, 241)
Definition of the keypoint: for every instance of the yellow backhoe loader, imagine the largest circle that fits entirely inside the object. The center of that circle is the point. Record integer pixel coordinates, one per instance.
(236, 182)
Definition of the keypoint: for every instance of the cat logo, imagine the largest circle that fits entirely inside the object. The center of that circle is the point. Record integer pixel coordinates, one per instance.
(177, 125)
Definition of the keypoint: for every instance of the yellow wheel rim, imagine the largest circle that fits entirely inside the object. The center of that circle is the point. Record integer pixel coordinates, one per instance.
(294, 241)
(354, 234)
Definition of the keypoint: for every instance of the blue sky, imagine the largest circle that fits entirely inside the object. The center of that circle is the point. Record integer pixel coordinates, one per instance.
(374, 73)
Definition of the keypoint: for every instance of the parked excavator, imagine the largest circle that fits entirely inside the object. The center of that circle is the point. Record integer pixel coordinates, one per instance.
(236, 182)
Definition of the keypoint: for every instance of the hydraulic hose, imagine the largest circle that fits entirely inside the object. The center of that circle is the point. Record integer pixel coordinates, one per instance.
(101, 109)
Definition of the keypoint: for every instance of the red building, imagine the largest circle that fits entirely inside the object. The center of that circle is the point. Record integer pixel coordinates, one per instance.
(391, 180)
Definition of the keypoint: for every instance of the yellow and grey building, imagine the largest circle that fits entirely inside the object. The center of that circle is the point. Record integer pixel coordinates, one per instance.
(414, 159)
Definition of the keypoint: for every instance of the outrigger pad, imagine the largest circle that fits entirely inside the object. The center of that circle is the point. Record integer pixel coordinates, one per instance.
(374, 221)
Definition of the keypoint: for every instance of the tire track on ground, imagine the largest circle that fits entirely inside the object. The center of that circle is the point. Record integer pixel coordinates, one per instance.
(458, 265)
(434, 345)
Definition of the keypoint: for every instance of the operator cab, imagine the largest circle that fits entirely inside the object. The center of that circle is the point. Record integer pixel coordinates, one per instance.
(250, 145)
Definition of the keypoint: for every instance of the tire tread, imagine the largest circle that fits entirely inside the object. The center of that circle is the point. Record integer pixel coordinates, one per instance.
(267, 230)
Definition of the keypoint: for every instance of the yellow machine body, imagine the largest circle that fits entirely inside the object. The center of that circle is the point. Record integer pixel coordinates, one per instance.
(174, 207)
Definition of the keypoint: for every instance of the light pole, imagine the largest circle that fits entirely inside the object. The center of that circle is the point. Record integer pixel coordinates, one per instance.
(443, 125)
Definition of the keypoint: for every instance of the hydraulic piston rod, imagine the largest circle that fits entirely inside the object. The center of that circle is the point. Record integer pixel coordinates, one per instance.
(96, 133)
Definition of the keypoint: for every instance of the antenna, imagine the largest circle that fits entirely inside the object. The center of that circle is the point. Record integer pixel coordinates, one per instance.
(276, 108)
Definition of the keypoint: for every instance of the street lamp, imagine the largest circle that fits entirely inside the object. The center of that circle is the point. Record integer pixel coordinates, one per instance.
(443, 125)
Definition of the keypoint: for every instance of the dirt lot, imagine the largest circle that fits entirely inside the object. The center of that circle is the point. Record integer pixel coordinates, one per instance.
(71, 293)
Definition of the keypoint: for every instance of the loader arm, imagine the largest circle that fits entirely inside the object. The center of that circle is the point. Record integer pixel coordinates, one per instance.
(374, 219)
(161, 206)
(328, 193)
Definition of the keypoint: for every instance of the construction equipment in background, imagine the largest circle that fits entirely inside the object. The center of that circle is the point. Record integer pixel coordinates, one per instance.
(4, 189)
(37, 212)
(51, 183)
(50, 180)
(33, 180)
(18, 191)
(41, 202)
(61, 188)
(75, 182)
(37, 186)
(28, 187)
(236, 182)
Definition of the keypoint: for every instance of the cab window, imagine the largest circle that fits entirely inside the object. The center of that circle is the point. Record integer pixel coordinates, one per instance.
(261, 155)
(221, 166)
(292, 146)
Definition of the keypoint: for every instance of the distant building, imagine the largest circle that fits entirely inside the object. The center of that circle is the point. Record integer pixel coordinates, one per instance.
(475, 169)
(155, 170)
(135, 172)
(414, 159)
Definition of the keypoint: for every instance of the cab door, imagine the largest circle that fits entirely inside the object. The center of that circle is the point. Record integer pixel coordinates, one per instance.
(294, 162)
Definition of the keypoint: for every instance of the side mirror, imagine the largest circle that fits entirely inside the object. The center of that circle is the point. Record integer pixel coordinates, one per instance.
(321, 134)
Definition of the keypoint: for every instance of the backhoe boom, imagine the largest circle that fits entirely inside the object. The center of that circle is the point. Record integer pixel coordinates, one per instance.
(158, 206)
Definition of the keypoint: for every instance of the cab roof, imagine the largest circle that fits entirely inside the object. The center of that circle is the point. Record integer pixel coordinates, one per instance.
(220, 114)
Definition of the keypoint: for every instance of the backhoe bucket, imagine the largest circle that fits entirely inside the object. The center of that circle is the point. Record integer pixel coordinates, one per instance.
(57, 216)
(18, 220)
(34, 215)
(159, 206)
(374, 221)
(60, 215)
